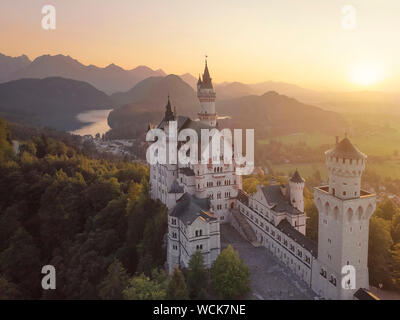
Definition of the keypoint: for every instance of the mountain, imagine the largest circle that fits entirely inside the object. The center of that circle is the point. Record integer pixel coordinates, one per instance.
(9, 65)
(109, 79)
(52, 102)
(230, 90)
(190, 80)
(145, 103)
(275, 114)
(269, 114)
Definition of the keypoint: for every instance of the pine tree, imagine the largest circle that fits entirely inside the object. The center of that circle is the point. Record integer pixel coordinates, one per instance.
(114, 283)
(177, 289)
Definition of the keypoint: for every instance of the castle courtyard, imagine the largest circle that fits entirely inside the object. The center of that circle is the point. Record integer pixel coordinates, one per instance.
(270, 279)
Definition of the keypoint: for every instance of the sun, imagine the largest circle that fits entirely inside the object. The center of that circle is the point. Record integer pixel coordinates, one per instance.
(366, 74)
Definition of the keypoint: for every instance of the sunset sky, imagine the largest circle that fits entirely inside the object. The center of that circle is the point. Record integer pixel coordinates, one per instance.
(297, 41)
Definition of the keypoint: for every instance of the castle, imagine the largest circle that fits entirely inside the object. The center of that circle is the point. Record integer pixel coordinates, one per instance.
(201, 196)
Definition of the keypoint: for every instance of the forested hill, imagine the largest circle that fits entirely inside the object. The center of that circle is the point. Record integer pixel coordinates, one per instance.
(60, 207)
(52, 102)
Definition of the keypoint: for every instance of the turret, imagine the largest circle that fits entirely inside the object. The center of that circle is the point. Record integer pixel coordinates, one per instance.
(296, 187)
(206, 95)
(345, 165)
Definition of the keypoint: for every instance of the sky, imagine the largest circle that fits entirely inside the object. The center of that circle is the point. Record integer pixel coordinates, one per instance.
(298, 41)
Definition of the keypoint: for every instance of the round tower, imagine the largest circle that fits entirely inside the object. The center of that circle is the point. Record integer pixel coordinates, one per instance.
(343, 225)
(207, 96)
(345, 165)
(296, 187)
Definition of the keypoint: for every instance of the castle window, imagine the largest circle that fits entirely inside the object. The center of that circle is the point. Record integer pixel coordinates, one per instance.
(344, 193)
(198, 233)
(299, 253)
(173, 221)
(199, 247)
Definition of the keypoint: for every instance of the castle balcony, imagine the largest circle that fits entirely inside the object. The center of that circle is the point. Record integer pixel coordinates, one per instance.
(363, 194)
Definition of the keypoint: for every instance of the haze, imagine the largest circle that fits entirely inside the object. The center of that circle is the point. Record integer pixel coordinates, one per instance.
(296, 41)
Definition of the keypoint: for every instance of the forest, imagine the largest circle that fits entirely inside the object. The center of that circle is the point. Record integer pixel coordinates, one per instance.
(90, 217)
(59, 206)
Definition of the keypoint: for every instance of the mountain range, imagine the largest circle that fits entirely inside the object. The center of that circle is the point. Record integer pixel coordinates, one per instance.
(140, 94)
(270, 113)
(109, 79)
(113, 78)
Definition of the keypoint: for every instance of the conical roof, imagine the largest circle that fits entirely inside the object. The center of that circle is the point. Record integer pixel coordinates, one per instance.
(345, 149)
(207, 82)
(297, 178)
(169, 115)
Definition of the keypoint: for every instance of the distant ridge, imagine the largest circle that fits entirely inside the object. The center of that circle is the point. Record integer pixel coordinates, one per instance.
(9, 65)
(52, 102)
(109, 79)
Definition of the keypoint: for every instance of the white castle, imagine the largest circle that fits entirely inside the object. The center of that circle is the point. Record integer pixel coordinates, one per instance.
(200, 197)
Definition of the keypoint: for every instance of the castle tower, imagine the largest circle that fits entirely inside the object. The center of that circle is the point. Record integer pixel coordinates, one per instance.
(163, 175)
(296, 187)
(206, 95)
(344, 213)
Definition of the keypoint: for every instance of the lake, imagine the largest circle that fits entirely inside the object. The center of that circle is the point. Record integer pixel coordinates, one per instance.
(94, 121)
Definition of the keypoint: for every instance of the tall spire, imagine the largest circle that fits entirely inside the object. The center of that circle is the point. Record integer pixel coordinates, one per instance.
(207, 81)
(169, 115)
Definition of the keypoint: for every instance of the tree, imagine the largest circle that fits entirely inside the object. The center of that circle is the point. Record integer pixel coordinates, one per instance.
(8, 290)
(379, 252)
(197, 276)
(19, 260)
(386, 209)
(143, 288)
(5, 140)
(229, 275)
(177, 289)
(396, 266)
(115, 282)
(395, 230)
